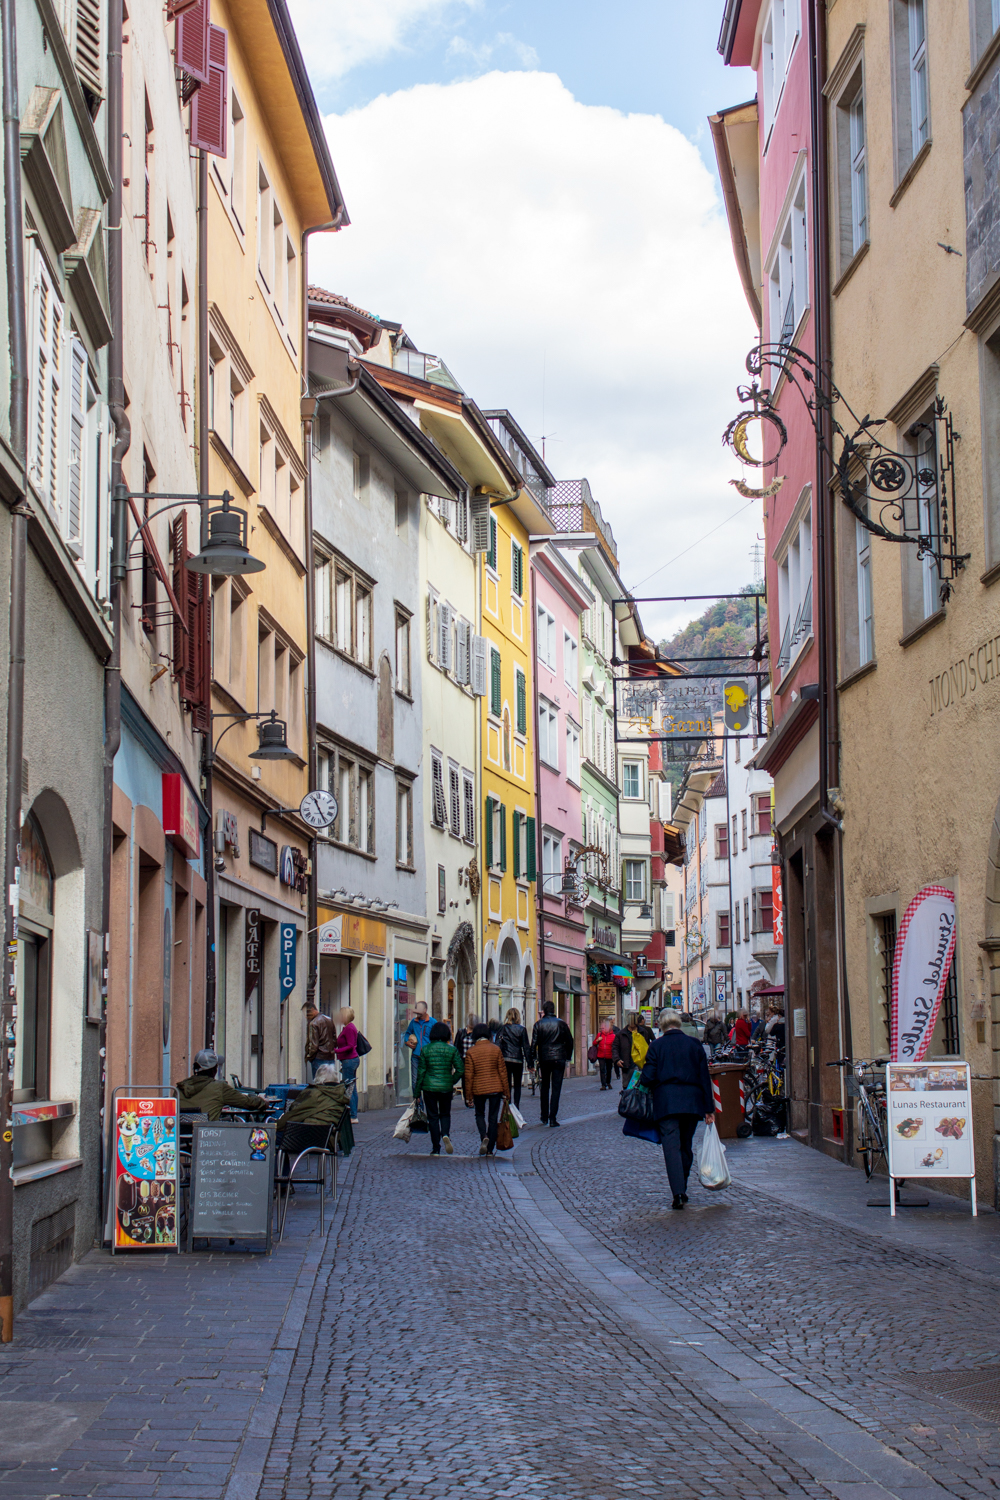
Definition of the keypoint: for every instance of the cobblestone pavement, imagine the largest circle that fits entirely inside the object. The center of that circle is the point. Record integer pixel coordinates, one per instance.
(536, 1326)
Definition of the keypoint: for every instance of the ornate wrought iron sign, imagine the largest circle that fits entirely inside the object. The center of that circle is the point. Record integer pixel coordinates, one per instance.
(901, 495)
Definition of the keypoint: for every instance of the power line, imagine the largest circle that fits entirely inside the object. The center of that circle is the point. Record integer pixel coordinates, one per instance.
(694, 544)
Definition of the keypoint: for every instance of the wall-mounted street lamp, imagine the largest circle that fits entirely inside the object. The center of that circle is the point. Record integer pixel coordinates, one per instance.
(224, 531)
(272, 736)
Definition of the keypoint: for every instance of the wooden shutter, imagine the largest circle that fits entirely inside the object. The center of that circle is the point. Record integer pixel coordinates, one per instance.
(470, 810)
(522, 703)
(503, 837)
(180, 589)
(431, 602)
(491, 556)
(191, 41)
(495, 682)
(531, 849)
(440, 805)
(191, 653)
(516, 567)
(73, 520)
(515, 820)
(479, 665)
(482, 528)
(488, 832)
(445, 653)
(463, 639)
(210, 104)
(455, 797)
(88, 44)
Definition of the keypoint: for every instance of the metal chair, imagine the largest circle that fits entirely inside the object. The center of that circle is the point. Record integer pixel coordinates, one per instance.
(299, 1141)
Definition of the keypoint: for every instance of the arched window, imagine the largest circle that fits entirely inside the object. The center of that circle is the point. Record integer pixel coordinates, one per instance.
(34, 962)
(509, 968)
(36, 870)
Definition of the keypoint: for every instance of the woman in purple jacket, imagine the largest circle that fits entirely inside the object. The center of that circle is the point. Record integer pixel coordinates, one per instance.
(347, 1056)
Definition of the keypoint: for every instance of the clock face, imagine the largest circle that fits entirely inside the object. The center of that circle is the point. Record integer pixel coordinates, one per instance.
(318, 809)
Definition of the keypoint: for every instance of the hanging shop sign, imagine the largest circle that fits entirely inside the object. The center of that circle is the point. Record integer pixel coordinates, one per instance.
(180, 814)
(263, 852)
(924, 952)
(357, 935)
(777, 907)
(252, 951)
(227, 833)
(929, 1109)
(293, 868)
(286, 959)
(144, 1170)
(329, 937)
(286, 865)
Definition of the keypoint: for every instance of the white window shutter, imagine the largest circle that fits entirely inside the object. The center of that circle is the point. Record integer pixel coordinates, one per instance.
(440, 805)
(75, 483)
(479, 673)
(479, 510)
(445, 652)
(431, 627)
(463, 635)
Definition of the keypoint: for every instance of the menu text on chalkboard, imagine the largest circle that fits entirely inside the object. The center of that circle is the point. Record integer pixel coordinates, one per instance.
(232, 1182)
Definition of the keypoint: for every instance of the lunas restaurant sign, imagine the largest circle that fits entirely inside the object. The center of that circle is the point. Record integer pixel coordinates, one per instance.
(960, 681)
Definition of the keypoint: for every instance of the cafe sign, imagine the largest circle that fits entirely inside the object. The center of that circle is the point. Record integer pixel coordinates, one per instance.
(252, 951)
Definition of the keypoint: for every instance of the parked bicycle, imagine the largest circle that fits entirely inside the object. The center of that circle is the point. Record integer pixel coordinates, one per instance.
(763, 1092)
(871, 1129)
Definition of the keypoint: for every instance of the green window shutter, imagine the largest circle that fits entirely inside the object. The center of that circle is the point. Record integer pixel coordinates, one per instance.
(503, 837)
(496, 685)
(515, 830)
(488, 825)
(522, 703)
(491, 556)
(531, 847)
(518, 569)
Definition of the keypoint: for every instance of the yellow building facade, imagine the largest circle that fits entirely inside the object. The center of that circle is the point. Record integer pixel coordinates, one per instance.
(508, 711)
(273, 185)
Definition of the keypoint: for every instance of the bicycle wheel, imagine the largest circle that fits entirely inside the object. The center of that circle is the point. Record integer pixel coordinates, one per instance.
(871, 1142)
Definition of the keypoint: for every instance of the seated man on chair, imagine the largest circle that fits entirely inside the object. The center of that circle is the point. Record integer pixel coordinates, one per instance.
(324, 1102)
(206, 1094)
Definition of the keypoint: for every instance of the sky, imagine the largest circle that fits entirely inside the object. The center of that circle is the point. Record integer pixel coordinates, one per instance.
(533, 195)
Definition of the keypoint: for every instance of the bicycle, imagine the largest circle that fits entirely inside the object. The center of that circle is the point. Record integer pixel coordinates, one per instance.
(871, 1126)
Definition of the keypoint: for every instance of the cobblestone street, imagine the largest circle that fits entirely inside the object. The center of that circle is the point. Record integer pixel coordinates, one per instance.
(536, 1326)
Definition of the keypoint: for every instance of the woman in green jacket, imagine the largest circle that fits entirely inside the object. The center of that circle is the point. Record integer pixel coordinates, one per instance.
(440, 1067)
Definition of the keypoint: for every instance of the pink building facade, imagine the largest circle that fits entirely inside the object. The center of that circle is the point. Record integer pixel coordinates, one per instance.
(559, 596)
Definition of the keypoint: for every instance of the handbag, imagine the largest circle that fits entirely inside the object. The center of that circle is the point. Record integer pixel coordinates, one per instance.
(363, 1045)
(418, 1120)
(637, 1104)
(641, 1132)
(592, 1052)
(516, 1115)
(402, 1130)
(505, 1136)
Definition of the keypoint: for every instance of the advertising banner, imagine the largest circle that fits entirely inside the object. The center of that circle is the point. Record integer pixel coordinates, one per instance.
(286, 960)
(330, 937)
(924, 951)
(930, 1119)
(144, 1172)
(777, 907)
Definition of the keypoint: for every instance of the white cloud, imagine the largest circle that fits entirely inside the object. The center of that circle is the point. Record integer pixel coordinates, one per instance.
(484, 54)
(502, 222)
(338, 37)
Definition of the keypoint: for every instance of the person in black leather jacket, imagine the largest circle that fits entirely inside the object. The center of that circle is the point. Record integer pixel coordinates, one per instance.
(512, 1039)
(552, 1045)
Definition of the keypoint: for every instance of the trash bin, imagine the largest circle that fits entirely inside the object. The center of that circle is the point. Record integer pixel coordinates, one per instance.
(726, 1079)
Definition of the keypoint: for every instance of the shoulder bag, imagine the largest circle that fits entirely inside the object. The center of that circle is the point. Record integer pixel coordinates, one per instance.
(363, 1045)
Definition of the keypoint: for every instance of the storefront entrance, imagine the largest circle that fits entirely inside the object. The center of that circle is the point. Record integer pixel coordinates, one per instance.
(404, 1009)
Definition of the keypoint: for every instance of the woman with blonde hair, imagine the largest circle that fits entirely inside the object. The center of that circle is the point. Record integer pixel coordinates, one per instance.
(515, 1044)
(347, 1056)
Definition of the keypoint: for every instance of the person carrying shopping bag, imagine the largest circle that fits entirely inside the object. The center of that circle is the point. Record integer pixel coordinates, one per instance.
(512, 1039)
(676, 1073)
(486, 1087)
(604, 1043)
(438, 1071)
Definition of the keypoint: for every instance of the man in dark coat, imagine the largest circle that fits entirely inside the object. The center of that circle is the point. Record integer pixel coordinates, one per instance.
(676, 1071)
(552, 1046)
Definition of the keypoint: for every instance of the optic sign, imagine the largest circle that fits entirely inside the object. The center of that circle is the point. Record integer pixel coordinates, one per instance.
(286, 959)
(924, 951)
(330, 937)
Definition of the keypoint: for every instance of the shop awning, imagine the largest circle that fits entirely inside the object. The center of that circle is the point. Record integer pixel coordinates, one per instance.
(769, 989)
(607, 956)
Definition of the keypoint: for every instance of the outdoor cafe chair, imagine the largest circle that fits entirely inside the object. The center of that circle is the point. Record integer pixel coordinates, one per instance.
(297, 1142)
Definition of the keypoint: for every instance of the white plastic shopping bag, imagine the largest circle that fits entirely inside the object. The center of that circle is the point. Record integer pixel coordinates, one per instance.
(402, 1130)
(713, 1169)
(517, 1116)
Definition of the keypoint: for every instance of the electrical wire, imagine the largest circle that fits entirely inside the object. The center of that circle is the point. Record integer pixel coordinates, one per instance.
(694, 544)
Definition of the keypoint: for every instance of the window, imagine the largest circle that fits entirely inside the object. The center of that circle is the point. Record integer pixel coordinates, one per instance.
(548, 731)
(635, 880)
(454, 800)
(495, 829)
(552, 864)
(721, 841)
(763, 910)
(496, 682)
(491, 556)
(349, 611)
(911, 93)
(402, 652)
(746, 918)
(859, 190)
(788, 271)
(781, 28)
(520, 827)
(521, 698)
(237, 161)
(921, 585)
(517, 569)
(743, 828)
(546, 639)
(31, 1057)
(985, 20)
(736, 917)
(795, 567)
(265, 241)
(885, 952)
(352, 781)
(439, 805)
(632, 778)
(570, 662)
(668, 919)
(468, 807)
(442, 891)
(866, 633)
(735, 844)
(722, 929)
(762, 813)
(572, 753)
(404, 824)
(463, 652)
(46, 395)
(505, 738)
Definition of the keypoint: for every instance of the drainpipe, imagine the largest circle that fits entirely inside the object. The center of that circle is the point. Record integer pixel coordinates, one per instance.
(18, 343)
(203, 486)
(123, 437)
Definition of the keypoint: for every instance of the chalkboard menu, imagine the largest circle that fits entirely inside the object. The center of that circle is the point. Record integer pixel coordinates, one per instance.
(232, 1182)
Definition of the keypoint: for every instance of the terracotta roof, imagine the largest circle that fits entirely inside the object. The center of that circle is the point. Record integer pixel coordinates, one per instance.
(334, 299)
(718, 787)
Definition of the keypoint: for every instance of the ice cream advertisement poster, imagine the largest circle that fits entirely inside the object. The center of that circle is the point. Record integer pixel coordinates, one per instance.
(145, 1173)
(930, 1119)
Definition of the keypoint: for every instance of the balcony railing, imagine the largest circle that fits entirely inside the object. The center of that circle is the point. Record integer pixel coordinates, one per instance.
(425, 367)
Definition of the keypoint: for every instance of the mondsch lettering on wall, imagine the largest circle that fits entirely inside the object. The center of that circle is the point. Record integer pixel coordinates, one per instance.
(959, 680)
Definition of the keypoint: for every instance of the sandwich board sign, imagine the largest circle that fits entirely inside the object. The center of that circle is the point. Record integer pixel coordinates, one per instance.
(929, 1121)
